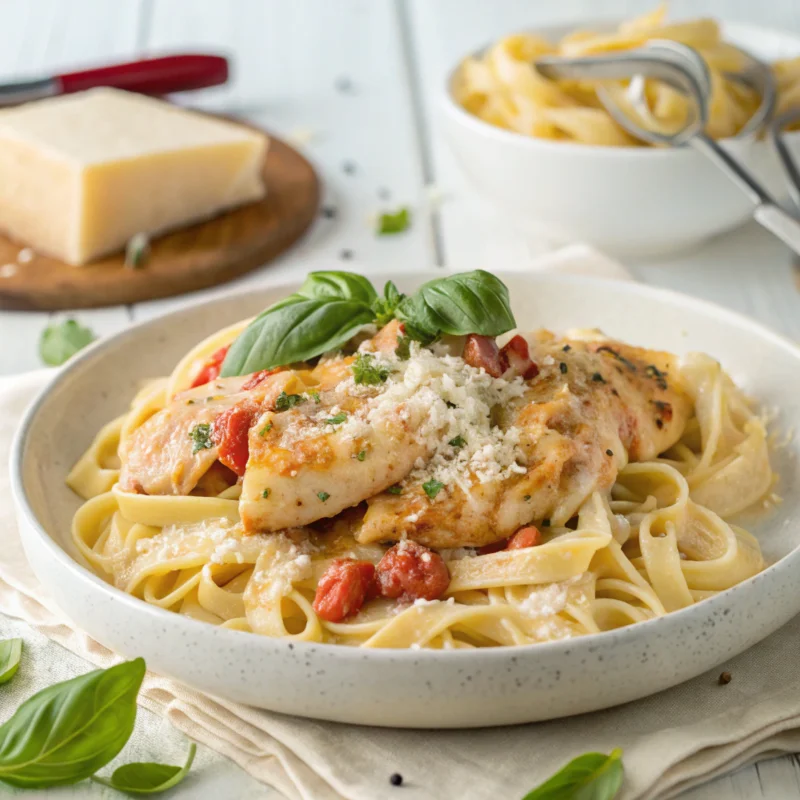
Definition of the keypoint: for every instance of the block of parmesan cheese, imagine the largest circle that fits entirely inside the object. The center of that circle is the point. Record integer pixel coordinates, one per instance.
(81, 174)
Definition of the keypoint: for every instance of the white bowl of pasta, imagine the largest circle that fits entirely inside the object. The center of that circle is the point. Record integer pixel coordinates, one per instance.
(631, 585)
(550, 159)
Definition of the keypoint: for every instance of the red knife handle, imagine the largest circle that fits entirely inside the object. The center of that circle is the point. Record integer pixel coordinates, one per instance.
(151, 76)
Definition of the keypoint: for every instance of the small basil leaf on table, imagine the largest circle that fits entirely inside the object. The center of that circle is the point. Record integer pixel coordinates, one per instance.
(329, 309)
(65, 733)
(592, 776)
(470, 302)
(60, 342)
(145, 777)
(10, 654)
(394, 222)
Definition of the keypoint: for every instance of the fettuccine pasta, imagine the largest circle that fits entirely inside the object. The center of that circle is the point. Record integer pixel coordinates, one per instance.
(504, 88)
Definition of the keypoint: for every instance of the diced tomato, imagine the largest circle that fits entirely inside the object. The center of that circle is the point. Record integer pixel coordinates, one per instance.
(342, 588)
(410, 571)
(483, 352)
(494, 547)
(258, 377)
(529, 536)
(211, 369)
(516, 355)
(231, 430)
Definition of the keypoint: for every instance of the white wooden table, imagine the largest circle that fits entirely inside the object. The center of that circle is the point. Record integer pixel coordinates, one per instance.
(354, 81)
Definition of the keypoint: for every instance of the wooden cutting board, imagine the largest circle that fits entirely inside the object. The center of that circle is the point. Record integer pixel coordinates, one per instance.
(192, 258)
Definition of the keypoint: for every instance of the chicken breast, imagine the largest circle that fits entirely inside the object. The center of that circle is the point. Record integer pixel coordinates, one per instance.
(594, 406)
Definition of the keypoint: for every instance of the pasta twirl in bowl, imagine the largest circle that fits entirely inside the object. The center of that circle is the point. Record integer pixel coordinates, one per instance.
(548, 156)
(552, 596)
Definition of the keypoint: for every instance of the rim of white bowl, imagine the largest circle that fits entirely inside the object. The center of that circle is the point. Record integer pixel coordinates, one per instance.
(267, 643)
(480, 126)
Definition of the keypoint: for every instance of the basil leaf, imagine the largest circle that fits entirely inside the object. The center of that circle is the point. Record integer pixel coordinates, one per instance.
(396, 222)
(60, 342)
(10, 654)
(145, 777)
(470, 302)
(339, 285)
(328, 310)
(592, 776)
(65, 733)
(384, 307)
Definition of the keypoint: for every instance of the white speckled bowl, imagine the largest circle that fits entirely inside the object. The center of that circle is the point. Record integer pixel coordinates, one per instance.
(414, 688)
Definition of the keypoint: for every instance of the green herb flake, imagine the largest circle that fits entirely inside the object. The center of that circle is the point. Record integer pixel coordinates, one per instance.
(563, 367)
(265, 430)
(323, 496)
(201, 437)
(286, 401)
(61, 341)
(338, 419)
(394, 222)
(403, 349)
(450, 405)
(137, 251)
(10, 654)
(459, 441)
(394, 490)
(592, 775)
(314, 396)
(384, 307)
(265, 493)
(146, 777)
(367, 373)
(527, 497)
(432, 487)
(361, 455)
(545, 523)
(598, 378)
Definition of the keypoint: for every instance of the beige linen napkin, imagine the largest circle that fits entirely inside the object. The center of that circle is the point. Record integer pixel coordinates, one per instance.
(671, 741)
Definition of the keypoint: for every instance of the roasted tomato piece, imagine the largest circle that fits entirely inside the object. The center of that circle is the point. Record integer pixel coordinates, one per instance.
(231, 430)
(483, 352)
(410, 572)
(529, 536)
(258, 377)
(516, 356)
(211, 369)
(342, 589)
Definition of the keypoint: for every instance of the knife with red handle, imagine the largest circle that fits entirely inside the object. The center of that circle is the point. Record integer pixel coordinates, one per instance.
(149, 76)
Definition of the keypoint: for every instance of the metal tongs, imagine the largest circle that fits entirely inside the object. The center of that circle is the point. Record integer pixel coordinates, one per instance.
(683, 69)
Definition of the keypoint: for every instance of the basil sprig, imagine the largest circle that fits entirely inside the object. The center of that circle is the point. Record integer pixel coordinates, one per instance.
(10, 654)
(68, 731)
(592, 776)
(331, 307)
(145, 777)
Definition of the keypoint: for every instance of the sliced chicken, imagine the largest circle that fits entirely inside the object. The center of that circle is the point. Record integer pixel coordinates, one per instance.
(172, 450)
(594, 406)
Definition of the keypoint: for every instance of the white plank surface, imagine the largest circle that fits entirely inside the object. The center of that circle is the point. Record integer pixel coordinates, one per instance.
(357, 80)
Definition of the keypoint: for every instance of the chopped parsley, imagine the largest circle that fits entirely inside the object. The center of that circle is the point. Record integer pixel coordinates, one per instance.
(610, 350)
(652, 371)
(367, 373)
(396, 222)
(609, 452)
(201, 436)
(323, 496)
(361, 455)
(459, 441)
(545, 523)
(286, 401)
(266, 429)
(527, 497)
(450, 405)
(265, 493)
(338, 419)
(403, 349)
(563, 367)
(190, 402)
(566, 348)
(598, 378)
(432, 487)
(394, 490)
(314, 396)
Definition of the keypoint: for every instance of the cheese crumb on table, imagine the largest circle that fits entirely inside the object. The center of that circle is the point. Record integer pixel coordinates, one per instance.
(81, 174)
